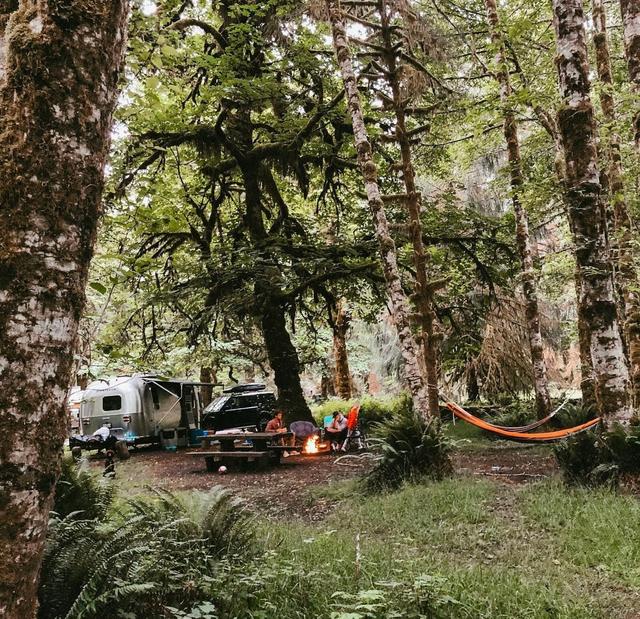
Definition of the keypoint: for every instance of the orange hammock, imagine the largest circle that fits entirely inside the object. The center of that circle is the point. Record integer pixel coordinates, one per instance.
(530, 426)
(539, 437)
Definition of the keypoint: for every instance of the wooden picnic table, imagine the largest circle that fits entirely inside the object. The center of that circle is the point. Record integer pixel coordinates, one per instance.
(233, 447)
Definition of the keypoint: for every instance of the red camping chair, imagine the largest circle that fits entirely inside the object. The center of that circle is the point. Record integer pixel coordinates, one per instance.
(355, 435)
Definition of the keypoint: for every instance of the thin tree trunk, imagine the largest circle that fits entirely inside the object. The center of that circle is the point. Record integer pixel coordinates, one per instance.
(523, 239)
(60, 63)
(630, 10)
(397, 299)
(343, 381)
(584, 198)
(206, 391)
(626, 277)
(587, 377)
(423, 294)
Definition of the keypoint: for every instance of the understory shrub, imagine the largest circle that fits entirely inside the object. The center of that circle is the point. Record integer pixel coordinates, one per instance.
(409, 449)
(151, 554)
(372, 410)
(80, 490)
(596, 458)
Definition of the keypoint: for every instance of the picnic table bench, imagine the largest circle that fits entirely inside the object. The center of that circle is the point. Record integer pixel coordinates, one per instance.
(233, 447)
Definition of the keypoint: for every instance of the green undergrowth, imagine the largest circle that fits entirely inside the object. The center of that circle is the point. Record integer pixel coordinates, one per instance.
(463, 548)
(460, 547)
(372, 410)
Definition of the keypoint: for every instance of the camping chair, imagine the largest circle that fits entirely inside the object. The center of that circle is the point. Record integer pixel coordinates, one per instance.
(355, 435)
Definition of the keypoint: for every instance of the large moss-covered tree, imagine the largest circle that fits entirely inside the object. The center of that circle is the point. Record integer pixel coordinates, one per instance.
(238, 151)
(586, 212)
(59, 68)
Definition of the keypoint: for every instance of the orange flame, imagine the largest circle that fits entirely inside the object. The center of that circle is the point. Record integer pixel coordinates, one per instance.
(311, 445)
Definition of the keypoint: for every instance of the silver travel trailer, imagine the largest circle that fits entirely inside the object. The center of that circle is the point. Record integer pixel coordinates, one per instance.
(142, 409)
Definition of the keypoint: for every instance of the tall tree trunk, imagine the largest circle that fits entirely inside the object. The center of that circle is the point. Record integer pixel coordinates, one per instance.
(630, 10)
(283, 359)
(397, 299)
(587, 381)
(423, 293)
(584, 198)
(621, 239)
(282, 354)
(60, 63)
(523, 239)
(343, 381)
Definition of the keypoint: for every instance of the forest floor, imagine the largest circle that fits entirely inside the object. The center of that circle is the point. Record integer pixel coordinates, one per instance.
(291, 488)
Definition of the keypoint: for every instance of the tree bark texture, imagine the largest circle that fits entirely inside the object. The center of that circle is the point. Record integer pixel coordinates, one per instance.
(630, 10)
(60, 63)
(621, 238)
(523, 239)
(585, 208)
(587, 378)
(343, 381)
(283, 359)
(587, 384)
(281, 352)
(423, 293)
(397, 298)
(206, 391)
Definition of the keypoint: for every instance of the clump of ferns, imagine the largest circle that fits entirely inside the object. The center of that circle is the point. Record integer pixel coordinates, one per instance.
(153, 553)
(408, 449)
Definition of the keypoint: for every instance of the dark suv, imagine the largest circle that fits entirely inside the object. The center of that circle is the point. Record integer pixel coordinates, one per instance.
(241, 406)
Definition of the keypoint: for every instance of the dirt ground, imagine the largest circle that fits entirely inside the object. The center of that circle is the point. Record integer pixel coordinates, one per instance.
(287, 489)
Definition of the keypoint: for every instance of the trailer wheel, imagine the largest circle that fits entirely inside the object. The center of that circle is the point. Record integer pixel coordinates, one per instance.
(76, 453)
(122, 450)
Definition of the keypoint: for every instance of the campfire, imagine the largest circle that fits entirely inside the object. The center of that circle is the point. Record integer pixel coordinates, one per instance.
(313, 445)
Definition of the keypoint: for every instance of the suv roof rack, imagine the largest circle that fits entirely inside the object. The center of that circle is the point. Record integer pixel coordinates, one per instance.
(244, 388)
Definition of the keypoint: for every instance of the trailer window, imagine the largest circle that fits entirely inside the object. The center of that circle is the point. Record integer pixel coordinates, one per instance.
(111, 403)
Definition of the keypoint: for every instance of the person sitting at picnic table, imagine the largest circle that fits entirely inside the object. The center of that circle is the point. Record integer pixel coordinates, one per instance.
(337, 432)
(276, 424)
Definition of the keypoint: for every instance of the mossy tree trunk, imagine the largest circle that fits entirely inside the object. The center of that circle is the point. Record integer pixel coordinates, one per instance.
(586, 213)
(340, 327)
(59, 68)
(270, 308)
(398, 303)
(621, 238)
(587, 384)
(423, 291)
(523, 239)
(630, 10)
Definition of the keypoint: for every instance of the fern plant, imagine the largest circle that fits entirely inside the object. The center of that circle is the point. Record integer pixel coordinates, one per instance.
(152, 554)
(600, 458)
(409, 449)
(82, 492)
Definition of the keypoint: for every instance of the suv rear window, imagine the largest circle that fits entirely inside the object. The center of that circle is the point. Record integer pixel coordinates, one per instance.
(111, 403)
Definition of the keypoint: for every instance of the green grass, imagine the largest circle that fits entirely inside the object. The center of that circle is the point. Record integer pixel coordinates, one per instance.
(487, 550)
